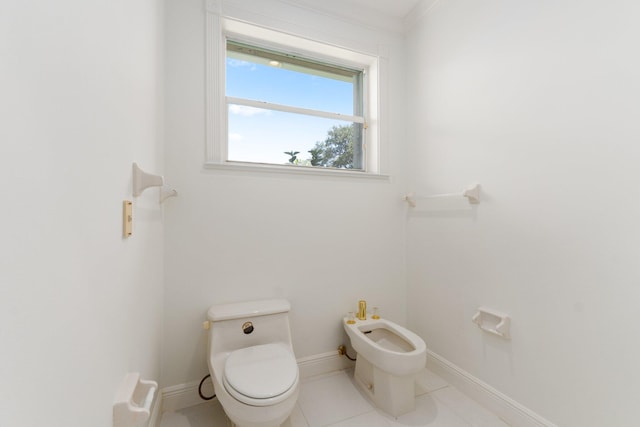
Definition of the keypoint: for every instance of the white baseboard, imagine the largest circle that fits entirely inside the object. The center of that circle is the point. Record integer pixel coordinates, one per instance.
(176, 397)
(156, 411)
(500, 404)
(323, 363)
(182, 396)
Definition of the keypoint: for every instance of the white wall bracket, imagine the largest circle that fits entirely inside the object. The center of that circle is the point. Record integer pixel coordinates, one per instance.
(166, 192)
(493, 321)
(410, 199)
(143, 180)
(473, 194)
(132, 404)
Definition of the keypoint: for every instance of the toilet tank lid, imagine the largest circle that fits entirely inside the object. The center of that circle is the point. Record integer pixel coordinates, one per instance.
(239, 310)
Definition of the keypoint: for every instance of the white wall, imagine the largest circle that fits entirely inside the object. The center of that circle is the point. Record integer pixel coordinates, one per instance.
(537, 101)
(321, 243)
(79, 306)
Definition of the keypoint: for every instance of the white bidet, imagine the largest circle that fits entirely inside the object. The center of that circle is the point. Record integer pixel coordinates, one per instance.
(389, 357)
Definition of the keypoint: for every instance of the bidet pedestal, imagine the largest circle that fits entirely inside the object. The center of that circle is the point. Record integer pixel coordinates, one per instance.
(394, 394)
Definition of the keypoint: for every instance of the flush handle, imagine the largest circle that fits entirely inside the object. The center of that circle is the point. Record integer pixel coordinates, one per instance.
(247, 327)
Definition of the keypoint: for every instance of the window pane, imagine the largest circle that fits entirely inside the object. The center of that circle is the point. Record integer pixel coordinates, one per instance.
(262, 75)
(267, 136)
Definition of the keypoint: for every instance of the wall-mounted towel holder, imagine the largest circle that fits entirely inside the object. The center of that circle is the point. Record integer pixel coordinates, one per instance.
(493, 321)
(132, 404)
(472, 194)
(166, 192)
(143, 180)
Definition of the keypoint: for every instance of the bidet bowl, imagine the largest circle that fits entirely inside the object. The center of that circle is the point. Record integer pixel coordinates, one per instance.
(388, 346)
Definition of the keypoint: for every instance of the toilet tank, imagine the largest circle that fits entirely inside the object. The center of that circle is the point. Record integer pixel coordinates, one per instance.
(244, 324)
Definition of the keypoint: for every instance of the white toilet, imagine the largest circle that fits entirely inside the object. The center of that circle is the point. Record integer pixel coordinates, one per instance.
(389, 357)
(251, 361)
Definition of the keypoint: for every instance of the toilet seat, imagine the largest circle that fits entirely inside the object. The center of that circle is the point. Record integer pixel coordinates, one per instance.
(261, 375)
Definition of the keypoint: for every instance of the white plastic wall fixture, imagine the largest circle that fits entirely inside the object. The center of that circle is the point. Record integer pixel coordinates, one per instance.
(143, 180)
(166, 192)
(132, 404)
(493, 321)
(472, 194)
(409, 198)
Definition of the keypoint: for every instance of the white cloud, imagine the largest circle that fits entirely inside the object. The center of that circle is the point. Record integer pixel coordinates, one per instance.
(237, 63)
(235, 137)
(243, 110)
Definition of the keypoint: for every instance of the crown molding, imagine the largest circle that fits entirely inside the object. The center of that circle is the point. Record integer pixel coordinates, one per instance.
(418, 13)
(337, 9)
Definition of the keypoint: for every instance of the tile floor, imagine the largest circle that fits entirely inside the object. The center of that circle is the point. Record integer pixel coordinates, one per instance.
(333, 400)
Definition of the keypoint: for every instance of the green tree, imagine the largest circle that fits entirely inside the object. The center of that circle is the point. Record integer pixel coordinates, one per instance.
(293, 156)
(316, 156)
(337, 150)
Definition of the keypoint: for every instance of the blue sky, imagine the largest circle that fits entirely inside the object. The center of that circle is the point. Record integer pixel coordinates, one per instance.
(258, 135)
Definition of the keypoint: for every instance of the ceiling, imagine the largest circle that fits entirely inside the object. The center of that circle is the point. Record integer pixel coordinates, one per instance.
(395, 8)
(387, 14)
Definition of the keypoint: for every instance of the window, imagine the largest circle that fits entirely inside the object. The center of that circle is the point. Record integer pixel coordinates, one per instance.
(278, 102)
(283, 108)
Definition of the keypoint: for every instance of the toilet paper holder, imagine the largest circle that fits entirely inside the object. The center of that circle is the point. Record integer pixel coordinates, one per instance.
(493, 321)
(132, 404)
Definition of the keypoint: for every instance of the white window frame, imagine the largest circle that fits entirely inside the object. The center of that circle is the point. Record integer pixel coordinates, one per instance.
(220, 28)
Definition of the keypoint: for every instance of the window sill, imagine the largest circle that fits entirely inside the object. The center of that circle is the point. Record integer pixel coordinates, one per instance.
(294, 170)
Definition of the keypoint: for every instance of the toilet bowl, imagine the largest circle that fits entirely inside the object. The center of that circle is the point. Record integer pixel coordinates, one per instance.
(389, 357)
(251, 361)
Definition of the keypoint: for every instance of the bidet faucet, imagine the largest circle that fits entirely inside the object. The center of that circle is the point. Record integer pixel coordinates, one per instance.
(362, 310)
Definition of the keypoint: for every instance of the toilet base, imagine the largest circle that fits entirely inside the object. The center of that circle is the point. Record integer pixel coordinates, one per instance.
(286, 423)
(283, 423)
(393, 394)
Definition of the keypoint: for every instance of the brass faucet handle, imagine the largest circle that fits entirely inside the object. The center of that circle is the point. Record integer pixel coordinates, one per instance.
(362, 310)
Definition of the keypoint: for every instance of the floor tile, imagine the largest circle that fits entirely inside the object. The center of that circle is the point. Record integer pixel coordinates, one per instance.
(174, 419)
(331, 398)
(334, 400)
(468, 409)
(208, 414)
(370, 419)
(429, 412)
(296, 419)
(428, 381)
